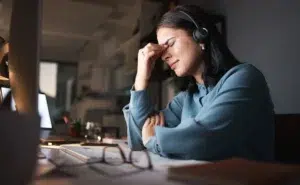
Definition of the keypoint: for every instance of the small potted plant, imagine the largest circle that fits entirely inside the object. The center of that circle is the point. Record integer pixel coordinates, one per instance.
(75, 128)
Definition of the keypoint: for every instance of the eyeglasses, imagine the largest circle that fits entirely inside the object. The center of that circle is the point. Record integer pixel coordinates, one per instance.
(113, 155)
(121, 158)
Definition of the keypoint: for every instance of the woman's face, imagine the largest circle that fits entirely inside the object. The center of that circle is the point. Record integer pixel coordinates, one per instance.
(183, 54)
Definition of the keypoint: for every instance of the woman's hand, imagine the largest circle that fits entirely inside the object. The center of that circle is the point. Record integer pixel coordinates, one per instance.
(146, 61)
(150, 123)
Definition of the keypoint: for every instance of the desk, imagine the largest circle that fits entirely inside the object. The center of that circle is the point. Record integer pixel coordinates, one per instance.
(230, 171)
(126, 173)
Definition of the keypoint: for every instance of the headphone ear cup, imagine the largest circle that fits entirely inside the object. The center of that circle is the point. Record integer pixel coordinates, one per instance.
(197, 35)
(200, 34)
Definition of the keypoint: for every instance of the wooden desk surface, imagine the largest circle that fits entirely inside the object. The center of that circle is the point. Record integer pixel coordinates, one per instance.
(106, 174)
(231, 171)
(239, 171)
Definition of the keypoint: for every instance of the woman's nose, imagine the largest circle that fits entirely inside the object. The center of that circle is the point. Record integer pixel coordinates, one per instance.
(166, 56)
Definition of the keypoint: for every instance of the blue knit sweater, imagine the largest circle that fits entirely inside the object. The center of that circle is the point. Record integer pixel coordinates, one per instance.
(232, 119)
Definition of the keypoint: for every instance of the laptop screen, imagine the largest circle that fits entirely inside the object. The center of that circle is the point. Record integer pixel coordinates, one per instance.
(42, 108)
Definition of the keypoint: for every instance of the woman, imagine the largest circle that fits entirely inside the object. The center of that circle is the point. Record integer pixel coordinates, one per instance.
(227, 112)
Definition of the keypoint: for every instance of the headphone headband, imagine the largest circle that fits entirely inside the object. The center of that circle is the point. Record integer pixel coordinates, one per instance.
(200, 33)
(190, 17)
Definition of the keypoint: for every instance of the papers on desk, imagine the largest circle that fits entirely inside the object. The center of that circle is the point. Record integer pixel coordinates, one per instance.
(107, 174)
(88, 153)
(94, 153)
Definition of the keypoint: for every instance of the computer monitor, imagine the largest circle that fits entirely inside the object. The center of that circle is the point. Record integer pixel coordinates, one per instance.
(43, 109)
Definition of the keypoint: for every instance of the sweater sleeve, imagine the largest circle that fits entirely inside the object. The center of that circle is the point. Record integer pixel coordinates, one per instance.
(140, 108)
(223, 124)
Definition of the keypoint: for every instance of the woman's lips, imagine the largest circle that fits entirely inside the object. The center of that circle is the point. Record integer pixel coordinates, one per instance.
(173, 65)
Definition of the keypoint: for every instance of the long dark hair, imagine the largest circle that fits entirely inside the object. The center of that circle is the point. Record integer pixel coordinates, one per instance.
(217, 57)
(3, 61)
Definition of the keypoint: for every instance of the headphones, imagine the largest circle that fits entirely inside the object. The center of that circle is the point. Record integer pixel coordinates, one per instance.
(200, 33)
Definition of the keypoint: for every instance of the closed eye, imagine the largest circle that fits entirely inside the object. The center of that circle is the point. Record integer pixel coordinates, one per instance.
(171, 43)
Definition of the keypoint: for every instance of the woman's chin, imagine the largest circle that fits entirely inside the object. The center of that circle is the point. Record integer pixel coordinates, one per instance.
(179, 73)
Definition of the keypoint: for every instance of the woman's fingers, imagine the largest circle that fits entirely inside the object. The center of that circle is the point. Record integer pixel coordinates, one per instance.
(147, 122)
(157, 120)
(152, 121)
(162, 119)
(146, 61)
(156, 47)
(151, 50)
(151, 55)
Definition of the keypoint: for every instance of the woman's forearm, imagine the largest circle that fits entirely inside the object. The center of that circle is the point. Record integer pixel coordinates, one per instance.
(140, 83)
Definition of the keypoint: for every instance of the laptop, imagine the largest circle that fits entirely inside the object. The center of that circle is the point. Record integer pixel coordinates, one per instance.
(43, 109)
(46, 133)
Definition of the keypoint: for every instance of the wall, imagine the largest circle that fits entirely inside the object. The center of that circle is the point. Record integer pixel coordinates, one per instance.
(48, 78)
(266, 35)
(65, 72)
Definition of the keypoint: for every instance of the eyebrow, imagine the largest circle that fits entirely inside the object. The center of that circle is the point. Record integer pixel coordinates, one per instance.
(168, 40)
